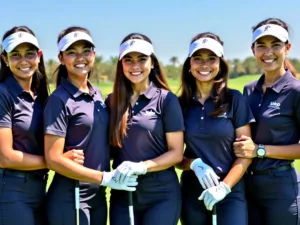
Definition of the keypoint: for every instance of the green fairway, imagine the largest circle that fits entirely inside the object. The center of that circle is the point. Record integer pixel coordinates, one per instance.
(237, 83)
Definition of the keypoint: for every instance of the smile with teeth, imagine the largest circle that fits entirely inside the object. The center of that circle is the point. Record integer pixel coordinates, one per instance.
(204, 73)
(268, 60)
(136, 73)
(25, 69)
(80, 65)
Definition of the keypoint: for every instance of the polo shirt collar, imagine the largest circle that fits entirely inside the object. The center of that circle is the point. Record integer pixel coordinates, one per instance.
(13, 84)
(278, 85)
(150, 91)
(74, 91)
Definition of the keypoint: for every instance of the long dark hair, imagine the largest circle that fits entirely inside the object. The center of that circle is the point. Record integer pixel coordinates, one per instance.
(61, 69)
(220, 89)
(39, 83)
(122, 91)
(287, 64)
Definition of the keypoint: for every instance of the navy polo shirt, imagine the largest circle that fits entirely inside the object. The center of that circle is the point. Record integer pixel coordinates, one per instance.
(211, 139)
(277, 115)
(24, 115)
(155, 113)
(82, 119)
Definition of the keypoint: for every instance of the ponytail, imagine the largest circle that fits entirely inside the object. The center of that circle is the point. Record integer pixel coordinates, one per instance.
(61, 72)
(288, 65)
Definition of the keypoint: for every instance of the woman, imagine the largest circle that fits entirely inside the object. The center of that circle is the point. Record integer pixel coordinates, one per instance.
(76, 117)
(214, 116)
(272, 182)
(23, 91)
(146, 132)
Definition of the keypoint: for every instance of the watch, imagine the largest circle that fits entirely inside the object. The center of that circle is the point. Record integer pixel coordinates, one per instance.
(261, 152)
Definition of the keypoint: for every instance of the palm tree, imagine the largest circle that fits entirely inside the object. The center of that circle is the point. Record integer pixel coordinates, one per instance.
(174, 60)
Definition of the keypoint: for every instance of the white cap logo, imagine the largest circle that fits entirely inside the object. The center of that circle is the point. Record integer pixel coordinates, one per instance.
(131, 43)
(272, 30)
(206, 43)
(136, 45)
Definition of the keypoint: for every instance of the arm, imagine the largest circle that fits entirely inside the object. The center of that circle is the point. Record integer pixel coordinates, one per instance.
(185, 163)
(16, 159)
(56, 161)
(245, 147)
(241, 164)
(171, 157)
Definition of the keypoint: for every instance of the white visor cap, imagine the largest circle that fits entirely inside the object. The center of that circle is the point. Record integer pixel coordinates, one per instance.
(206, 43)
(135, 45)
(272, 30)
(71, 38)
(15, 39)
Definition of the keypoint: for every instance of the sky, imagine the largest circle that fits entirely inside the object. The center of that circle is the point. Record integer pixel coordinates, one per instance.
(170, 24)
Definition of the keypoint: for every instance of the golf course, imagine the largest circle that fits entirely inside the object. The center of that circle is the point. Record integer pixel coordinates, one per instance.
(237, 83)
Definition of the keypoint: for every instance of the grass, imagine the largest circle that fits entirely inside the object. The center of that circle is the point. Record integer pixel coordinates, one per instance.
(237, 83)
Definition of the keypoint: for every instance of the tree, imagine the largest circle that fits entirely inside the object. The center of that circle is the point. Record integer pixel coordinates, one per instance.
(51, 66)
(97, 69)
(174, 60)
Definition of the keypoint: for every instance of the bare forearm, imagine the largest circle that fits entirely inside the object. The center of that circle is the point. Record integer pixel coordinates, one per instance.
(164, 161)
(69, 168)
(237, 171)
(288, 152)
(19, 160)
(185, 163)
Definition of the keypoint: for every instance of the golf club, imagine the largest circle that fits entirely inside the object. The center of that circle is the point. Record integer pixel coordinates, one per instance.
(77, 201)
(214, 215)
(130, 206)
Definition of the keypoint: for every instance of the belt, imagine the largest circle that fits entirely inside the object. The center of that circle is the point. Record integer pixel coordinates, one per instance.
(267, 171)
(23, 174)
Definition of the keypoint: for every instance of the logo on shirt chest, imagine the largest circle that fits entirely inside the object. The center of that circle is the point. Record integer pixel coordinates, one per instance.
(224, 115)
(274, 105)
(149, 112)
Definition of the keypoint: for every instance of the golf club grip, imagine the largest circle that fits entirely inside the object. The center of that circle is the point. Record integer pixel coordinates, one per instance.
(77, 194)
(214, 215)
(130, 207)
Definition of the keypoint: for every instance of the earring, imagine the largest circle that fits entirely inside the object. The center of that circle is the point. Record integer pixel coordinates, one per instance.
(152, 67)
(7, 65)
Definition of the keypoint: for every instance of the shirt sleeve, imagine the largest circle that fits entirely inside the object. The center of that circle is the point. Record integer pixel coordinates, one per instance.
(172, 114)
(297, 107)
(55, 117)
(5, 110)
(242, 114)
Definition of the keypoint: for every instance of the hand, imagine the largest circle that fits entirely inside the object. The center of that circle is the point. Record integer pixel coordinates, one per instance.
(128, 168)
(76, 155)
(214, 194)
(205, 174)
(109, 180)
(244, 147)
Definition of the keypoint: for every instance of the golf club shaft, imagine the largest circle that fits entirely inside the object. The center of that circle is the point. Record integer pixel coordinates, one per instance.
(214, 215)
(77, 201)
(130, 207)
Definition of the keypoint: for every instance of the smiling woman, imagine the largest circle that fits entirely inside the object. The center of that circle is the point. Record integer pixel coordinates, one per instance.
(23, 91)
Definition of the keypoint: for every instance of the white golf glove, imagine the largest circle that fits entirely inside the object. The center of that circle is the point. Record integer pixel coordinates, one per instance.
(128, 168)
(109, 180)
(205, 174)
(215, 194)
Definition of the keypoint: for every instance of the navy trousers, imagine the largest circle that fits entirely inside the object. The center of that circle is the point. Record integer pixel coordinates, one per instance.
(61, 203)
(232, 210)
(21, 199)
(156, 201)
(274, 198)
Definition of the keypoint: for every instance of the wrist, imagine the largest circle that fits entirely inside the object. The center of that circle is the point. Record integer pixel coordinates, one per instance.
(144, 166)
(195, 162)
(261, 151)
(226, 187)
